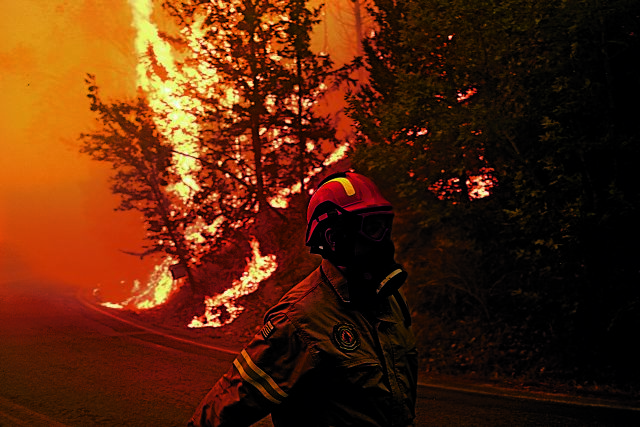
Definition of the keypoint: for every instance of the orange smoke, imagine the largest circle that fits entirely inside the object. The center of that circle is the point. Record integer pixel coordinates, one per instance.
(56, 211)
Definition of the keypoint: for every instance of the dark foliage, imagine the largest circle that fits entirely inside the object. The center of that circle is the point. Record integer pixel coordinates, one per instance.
(542, 277)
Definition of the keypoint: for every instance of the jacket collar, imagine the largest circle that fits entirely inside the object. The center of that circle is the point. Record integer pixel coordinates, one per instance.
(338, 282)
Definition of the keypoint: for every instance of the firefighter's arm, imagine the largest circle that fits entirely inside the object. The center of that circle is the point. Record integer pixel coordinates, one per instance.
(261, 378)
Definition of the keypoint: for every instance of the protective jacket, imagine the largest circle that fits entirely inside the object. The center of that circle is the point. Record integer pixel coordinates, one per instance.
(321, 361)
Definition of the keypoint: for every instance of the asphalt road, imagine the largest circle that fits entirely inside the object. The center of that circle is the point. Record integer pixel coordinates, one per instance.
(63, 363)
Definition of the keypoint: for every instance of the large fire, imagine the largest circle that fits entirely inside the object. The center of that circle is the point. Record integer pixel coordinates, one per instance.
(175, 113)
(176, 120)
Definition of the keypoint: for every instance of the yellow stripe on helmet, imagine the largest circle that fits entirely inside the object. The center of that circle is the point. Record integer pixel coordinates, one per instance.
(346, 184)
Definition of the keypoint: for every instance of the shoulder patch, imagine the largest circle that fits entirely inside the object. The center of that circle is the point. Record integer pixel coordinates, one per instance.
(267, 329)
(346, 337)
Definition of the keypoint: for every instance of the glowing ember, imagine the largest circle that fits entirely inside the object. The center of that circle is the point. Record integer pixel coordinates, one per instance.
(222, 309)
(339, 154)
(478, 186)
(463, 96)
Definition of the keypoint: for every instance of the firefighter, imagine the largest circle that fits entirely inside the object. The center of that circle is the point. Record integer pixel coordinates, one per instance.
(337, 350)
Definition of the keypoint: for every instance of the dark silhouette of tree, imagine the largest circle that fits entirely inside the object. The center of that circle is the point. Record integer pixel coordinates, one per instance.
(127, 139)
(309, 77)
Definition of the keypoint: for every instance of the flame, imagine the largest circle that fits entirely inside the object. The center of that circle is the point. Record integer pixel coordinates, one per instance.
(281, 200)
(223, 309)
(157, 291)
(175, 115)
(175, 112)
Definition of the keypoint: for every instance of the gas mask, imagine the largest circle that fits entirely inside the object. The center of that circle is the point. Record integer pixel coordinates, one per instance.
(366, 252)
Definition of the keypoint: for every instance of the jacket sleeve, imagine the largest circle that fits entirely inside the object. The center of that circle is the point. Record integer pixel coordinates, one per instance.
(261, 378)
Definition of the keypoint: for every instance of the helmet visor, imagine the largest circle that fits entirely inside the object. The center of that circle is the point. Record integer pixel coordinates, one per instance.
(373, 224)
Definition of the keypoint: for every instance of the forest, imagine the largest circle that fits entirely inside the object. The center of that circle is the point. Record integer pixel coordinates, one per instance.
(504, 132)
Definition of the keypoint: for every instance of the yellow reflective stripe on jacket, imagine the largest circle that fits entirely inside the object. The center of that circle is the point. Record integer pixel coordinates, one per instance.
(255, 376)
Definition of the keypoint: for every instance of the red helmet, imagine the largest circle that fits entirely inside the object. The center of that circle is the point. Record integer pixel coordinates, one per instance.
(343, 193)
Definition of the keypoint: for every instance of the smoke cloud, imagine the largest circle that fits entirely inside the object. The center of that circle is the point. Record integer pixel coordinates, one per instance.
(57, 221)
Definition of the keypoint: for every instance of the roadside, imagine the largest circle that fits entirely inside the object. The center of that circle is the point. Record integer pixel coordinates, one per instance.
(515, 391)
(241, 333)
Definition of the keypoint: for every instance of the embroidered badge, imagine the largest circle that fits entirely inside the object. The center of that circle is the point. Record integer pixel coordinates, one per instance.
(346, 336)
(267, 329)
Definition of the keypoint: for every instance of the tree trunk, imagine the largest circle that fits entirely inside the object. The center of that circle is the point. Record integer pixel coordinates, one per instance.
(357, 16)
(174, 235)
(302, 140)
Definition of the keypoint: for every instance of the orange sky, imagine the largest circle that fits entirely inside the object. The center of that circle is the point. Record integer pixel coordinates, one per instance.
(56, 211)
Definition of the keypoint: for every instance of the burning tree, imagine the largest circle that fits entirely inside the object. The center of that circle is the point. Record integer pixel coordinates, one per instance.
(230, 99)
(129, 140)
